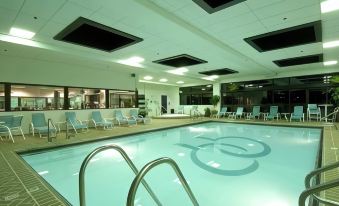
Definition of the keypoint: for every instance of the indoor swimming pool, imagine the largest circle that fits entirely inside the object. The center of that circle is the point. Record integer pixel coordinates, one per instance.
(224, 164)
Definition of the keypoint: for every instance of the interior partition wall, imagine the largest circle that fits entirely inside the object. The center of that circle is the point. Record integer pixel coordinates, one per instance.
(283, 92)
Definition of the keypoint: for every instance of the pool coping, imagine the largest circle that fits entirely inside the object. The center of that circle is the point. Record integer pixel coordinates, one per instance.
(318, 160)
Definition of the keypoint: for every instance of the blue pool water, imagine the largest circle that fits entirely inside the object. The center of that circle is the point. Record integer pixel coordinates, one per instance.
(224, 163)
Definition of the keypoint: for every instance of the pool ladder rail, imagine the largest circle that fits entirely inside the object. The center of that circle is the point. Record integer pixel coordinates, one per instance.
(312, 191)
(139, 175)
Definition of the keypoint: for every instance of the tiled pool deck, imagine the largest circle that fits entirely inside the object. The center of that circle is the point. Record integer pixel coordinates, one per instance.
(20, 185)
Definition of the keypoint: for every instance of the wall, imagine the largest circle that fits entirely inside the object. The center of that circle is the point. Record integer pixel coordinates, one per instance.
(153, 94)
(33, 71)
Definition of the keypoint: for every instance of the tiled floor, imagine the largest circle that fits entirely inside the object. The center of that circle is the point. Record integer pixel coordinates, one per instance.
(20, 185)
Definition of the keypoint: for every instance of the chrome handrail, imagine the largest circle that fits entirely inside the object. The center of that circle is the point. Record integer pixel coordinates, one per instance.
(151, 165)
(127, 159)
(312, 190)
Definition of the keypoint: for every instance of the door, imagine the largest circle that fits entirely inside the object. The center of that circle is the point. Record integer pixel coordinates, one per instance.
(163, 104)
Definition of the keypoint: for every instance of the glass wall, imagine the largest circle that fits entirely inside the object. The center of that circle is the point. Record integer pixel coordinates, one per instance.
(284, 92)
(83, 98)
(121, 99)
(2, 97)
(26, 98)
(197, 95)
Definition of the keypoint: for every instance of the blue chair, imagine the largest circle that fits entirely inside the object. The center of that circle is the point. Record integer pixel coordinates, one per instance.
(298, 113)
(273, 113)
(238, 113)
(5, 125)
(122, 119)
(16, 125)
(255, 113)
(40, 125)
(222, 112)
(180, 109)
(76, 124)
(134, 114)
(99, 121)
(313, 110)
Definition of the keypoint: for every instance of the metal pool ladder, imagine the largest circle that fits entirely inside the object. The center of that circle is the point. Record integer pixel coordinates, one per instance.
(314, 189)
(138, 178)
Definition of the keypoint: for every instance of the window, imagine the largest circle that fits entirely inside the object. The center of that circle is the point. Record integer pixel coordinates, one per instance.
(298, 96)
(317, 96)
(197, 95)
(83, 98)
(122, 99)
(2, 97)
(26, 98)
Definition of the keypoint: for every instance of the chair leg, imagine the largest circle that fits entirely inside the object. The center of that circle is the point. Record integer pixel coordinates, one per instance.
(10, 135)
(23, 136)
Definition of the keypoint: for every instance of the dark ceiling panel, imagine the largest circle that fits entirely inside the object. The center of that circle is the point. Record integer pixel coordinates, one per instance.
(293, 36)
(182, 60)
(299, 60)
(219, 72)
(85, 32)
(211, 6)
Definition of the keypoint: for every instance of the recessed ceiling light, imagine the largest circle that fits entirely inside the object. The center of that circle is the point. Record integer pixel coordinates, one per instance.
(179, 71)
(148, 78)
(203, 89)
(180, 82)
(328, 63)
(132, 61)
(331, 44)
(163, 80)
(329, 6)
(22, 33)
(209, 85)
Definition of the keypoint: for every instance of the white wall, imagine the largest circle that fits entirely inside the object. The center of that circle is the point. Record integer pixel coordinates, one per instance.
(153, 94)
(33, 71)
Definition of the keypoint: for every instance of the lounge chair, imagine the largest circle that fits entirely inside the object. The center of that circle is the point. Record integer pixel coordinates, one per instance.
(236, 114)
(222, 112)
(40, 125)
(16, 125)
(134, 114)
(313, 111)
(272, 114)
(74, 123)
(122, 119)
(255, 113)
(195, 112)
(5, 124)
(298, 114)
(98, 121)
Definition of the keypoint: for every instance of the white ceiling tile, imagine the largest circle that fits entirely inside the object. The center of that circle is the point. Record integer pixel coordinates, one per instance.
(11, 4)
(7, 18)
(70, 12)
(42, 8)
(26, 21)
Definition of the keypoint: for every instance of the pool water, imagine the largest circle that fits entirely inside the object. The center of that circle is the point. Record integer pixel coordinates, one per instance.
(224, 164)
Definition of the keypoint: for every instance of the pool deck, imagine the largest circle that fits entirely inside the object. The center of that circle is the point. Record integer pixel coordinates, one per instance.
(20, 185)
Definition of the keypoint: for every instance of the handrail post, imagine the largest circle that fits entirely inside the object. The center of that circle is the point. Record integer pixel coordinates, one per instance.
(127, 159)
(49, 139)
(139, 178)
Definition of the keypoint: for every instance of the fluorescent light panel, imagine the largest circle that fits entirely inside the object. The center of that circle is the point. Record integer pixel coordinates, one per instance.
(132, 61)
(331, 44)
(211, 78)
(22, 33)
(180, 82)
(163, 80)
(328, 63)
(179, 71)
(148, 78)
(329, 6)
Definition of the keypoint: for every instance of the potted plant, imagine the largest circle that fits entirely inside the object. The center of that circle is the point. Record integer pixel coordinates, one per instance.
(207, 112)
(215, 100)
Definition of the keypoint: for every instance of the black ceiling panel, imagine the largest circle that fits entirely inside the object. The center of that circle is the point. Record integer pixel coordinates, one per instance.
(182, 60)
(85, 32)
(211, 6)
(299, 60)
(293, 36)
(219, 72)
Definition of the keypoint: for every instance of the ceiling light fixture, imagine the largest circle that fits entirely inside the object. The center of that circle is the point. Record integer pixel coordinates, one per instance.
(210, 85)
(329, 6)
(163, 80)
(180, 82)
(331, 44)
(328, 63)
(132, 61)
(211, 78)
(22, 33)
(148, 78)
(179, 71)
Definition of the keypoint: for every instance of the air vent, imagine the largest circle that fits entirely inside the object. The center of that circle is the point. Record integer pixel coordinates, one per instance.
(85, 32)
(182, 60)
(211, 6)
(299, 60)
(219, 72)
(294, 36)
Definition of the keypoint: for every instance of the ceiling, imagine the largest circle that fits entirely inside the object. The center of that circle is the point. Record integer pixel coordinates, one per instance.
(170, 28)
